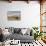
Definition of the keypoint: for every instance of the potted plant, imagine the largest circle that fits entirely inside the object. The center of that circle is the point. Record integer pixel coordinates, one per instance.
(37, 33)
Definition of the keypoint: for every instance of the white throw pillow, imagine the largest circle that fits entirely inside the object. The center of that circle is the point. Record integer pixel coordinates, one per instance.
(5, 32)
(23, 31)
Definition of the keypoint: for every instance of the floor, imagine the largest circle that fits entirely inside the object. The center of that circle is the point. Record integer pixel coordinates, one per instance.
(35, 43)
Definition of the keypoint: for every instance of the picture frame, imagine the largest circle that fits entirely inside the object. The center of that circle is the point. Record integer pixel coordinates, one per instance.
(14, 15)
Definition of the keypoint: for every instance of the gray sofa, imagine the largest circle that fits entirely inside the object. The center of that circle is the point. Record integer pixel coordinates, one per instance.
(17, 35)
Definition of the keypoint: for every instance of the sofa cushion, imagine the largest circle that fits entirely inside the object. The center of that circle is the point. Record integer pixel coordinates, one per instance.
(20, 37)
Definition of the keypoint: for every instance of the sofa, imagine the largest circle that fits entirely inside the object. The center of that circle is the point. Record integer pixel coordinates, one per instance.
(17, 34)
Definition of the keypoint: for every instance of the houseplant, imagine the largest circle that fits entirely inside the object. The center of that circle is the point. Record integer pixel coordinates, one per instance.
(37, 33)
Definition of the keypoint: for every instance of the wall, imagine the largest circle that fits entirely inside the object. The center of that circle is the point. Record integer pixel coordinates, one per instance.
(30, 14)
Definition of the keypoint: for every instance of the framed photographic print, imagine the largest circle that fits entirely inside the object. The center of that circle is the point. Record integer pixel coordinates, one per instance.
(14, 15)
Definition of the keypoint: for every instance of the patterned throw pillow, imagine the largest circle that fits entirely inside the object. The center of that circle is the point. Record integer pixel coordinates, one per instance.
(11, 30)
(17, 30)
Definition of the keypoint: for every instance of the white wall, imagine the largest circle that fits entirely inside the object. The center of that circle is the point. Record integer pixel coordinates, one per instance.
(30, 14)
